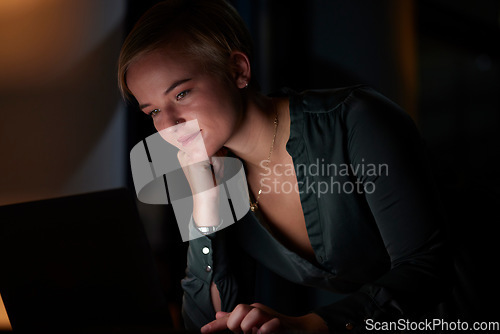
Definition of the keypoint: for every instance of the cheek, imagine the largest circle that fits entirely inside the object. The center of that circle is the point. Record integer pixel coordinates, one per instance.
(159, 123)
(227, 115)
(220, 124)
(218, 116)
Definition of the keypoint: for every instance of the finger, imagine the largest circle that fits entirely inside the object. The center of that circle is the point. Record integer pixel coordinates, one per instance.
(265, 308)
(217, 325)
(190, 158)
(218, 164)
(255, 318)
(220, 314)
(214, 178)
(236, 317)
(217, 160)
(272, 326)
(200, 176)
(181, 156)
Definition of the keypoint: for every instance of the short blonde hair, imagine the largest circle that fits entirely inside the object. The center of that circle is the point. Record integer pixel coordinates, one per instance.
(207, 31)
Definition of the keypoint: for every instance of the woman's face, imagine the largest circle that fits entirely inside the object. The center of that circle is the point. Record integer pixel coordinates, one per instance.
(188, 106)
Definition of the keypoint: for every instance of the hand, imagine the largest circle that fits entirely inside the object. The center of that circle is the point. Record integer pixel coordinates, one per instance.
(258, 318)
(203, 175)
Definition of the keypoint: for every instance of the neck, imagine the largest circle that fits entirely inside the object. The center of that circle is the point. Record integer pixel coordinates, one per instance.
(252, 138)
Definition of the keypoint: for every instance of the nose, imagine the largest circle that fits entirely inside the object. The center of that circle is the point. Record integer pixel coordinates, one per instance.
(170, 123)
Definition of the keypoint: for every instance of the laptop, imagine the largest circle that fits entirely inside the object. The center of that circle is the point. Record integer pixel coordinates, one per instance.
(79, 262)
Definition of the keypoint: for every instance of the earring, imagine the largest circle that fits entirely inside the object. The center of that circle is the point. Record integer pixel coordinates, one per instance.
(177, 122)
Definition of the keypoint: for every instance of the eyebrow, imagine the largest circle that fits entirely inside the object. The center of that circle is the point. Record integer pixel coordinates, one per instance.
(169, 89)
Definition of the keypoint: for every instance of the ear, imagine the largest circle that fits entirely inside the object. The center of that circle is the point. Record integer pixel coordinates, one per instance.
(241, 69)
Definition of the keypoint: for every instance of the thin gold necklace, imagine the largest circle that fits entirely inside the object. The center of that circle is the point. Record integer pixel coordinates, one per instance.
(255, 205)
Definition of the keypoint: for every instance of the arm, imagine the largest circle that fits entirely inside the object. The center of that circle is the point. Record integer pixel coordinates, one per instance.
(216, 267)
(201, 295)
(199, 301)
(406, 209)
(227, 282)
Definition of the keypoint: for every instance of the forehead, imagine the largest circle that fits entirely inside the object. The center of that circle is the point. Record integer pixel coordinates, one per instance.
(160, 67)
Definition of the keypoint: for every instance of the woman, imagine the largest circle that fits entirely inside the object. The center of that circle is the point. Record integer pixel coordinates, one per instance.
(365, 222)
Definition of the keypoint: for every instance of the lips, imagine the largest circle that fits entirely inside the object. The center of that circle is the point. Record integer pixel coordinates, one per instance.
(186, 139)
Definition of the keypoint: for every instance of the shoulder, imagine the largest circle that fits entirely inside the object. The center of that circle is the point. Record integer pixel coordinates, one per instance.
(356, 113)
(361, 97)
(353, 106)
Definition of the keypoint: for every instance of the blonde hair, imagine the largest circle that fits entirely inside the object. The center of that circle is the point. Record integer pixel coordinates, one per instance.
(207, 31)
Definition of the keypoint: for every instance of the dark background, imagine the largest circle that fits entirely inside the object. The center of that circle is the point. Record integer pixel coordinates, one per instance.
(438, 59)
(63, 123)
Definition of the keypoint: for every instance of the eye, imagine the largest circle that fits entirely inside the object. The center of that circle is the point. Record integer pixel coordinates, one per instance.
(153, 112)
(181, 95)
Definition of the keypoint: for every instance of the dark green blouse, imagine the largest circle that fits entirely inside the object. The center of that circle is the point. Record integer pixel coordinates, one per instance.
(371, 210)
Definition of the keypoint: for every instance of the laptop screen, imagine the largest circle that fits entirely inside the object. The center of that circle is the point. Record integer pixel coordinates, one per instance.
(78, 261)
